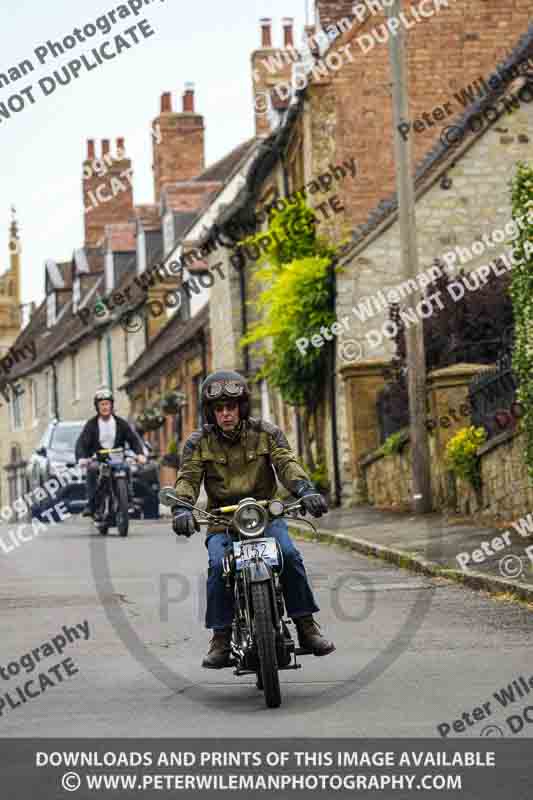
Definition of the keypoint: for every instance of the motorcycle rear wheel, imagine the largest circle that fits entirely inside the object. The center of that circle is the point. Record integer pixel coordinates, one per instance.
(266, 644)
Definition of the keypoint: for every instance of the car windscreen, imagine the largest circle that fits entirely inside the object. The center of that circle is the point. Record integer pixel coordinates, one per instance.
(64, 437)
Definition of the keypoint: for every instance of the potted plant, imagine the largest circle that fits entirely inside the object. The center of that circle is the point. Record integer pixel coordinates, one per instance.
(150, 419)
(172, 402)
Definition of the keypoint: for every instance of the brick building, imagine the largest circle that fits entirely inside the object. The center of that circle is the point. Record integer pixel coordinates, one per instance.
(345, 112)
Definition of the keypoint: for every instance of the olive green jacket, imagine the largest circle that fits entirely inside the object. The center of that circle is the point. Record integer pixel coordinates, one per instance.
(232, 471)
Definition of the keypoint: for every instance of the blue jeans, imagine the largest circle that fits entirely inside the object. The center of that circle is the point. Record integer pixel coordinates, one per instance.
(297, 593)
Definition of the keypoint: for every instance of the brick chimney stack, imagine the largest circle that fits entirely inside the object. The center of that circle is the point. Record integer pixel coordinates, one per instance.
(270, 66)
(288, 36)
(107, 189)
(329, 12)
(266, 33)
(188, 98)
(179, 149)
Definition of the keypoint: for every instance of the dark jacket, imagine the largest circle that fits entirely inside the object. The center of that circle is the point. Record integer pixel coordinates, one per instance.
(232, 471)
(88, 441)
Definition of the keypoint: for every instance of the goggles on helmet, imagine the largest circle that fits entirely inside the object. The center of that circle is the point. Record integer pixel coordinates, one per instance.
(228, 388)
(103, 394)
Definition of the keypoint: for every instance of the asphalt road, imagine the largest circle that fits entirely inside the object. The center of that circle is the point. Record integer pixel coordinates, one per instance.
(412, 653)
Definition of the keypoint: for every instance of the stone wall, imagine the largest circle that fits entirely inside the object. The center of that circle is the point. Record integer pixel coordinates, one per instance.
(506, 492)
(389, 482)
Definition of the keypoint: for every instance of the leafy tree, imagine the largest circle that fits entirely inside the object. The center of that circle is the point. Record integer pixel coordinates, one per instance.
(297, 266)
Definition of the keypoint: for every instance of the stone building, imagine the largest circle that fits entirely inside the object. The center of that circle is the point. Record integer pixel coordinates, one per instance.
(82, 342)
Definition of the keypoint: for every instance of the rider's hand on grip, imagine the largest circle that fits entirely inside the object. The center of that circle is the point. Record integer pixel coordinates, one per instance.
(184, 523)
(315, 504)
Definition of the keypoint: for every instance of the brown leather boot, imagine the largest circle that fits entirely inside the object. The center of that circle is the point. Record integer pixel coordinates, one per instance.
(219, 650)
(310, 638)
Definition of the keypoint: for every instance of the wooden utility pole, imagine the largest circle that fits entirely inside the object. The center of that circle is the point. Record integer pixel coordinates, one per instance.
(416, 361)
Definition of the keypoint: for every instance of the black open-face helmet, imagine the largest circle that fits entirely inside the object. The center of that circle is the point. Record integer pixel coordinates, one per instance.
(103, 394)
(224, 385)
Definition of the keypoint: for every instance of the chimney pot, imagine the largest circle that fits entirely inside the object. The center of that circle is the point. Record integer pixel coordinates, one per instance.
(121, 147)
(166, 102)
(91, 155)
(188, 98)
(105, 147)
(266, 32)
(288, 23)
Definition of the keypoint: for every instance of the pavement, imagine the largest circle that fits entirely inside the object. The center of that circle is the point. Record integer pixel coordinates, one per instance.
(498, 560)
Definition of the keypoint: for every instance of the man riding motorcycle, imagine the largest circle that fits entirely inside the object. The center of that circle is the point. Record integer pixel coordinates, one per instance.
(236, 455)
(103, 432)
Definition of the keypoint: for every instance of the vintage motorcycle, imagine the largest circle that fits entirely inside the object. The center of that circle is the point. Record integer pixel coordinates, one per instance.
(261, 642)
(112, 498)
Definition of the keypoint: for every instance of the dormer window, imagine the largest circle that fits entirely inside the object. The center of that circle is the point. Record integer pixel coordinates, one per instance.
(76, 294)
(141, 250)
(51, 310)
(168, 232)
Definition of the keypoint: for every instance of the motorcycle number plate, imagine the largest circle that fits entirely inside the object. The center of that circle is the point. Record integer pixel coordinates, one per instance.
(259, 548)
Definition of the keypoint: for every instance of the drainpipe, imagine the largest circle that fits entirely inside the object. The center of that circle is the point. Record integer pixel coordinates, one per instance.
(109, 361)
(299, 432)
(203, 344)
(55, 391)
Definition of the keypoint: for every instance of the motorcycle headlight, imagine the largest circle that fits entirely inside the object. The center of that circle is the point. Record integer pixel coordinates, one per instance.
(276, 508)
(250, 519)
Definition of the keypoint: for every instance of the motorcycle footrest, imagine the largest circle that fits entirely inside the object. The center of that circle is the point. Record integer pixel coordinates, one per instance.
(302, 651)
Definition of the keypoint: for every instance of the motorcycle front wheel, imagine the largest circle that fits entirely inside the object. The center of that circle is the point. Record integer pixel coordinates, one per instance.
(102, 509)
(123, 519)
(266, 645)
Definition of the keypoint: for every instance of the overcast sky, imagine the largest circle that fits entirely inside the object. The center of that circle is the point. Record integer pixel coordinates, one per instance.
(42, 146)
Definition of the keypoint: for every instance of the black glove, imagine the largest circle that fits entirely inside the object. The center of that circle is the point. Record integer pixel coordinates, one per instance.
(312, 500)
(183, 522)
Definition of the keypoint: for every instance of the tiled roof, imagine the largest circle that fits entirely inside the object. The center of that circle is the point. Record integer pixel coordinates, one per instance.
(223, 169)
(169, 340)
(68, 330)
(188, 195)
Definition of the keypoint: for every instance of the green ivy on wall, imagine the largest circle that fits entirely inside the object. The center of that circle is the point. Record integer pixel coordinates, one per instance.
(298, 300)
(522, 298)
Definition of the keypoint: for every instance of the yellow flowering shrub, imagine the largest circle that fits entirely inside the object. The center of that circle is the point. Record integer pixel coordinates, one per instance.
(461, 453)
